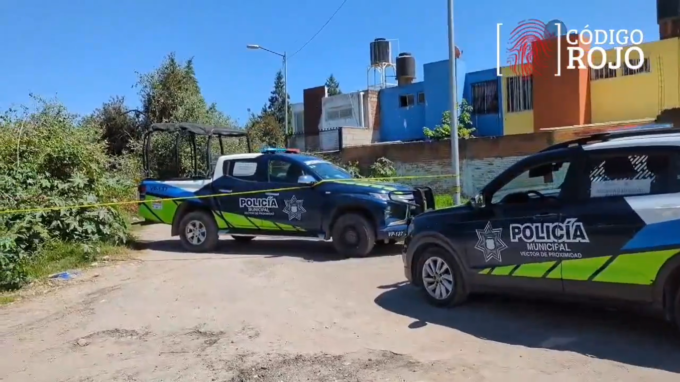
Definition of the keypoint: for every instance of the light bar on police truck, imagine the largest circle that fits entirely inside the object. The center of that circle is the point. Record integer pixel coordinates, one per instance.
(274, 150)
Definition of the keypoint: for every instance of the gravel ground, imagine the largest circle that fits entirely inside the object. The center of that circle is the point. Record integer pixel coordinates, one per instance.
(290, 310)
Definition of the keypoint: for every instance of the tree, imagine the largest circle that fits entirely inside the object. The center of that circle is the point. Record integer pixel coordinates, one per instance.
(277, 103)
(119, 125)
(264, 131)
(443, 130)
(171, 93)
(333, 86)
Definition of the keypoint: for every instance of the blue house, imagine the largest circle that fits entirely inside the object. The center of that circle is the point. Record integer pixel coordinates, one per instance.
(482, 90)
(407, 109)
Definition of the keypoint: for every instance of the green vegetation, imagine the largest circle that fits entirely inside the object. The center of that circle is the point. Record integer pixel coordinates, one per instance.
(333, 86)
(443, 130)
(51, 157)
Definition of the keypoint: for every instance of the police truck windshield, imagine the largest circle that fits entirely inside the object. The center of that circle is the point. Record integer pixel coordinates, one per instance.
(327, 170)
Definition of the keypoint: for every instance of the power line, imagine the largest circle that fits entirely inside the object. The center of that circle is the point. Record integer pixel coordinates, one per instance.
(320, 29)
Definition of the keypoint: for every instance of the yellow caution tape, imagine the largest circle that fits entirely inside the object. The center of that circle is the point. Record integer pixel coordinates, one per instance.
(112, 204)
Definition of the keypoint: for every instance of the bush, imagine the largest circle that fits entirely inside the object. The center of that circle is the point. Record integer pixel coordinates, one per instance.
(443, 130)
(383, 168)
(49, 158)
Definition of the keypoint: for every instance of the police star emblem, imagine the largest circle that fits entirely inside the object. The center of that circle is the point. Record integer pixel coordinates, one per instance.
(489, 242)
(294, 208)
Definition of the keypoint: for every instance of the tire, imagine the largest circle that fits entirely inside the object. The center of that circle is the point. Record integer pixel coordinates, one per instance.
(196, 221)
(242, 239)
(353, 235)
(456, 293)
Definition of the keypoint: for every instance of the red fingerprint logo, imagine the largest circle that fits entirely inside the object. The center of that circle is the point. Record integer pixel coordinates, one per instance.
(526, 43)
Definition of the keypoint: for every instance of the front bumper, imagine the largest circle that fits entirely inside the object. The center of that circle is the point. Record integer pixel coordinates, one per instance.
(393, 232)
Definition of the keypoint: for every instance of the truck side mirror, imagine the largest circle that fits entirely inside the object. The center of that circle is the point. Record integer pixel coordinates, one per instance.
(478, 201)
(306, 179)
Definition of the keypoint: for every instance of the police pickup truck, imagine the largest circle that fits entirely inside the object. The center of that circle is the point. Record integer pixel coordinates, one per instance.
(597, 218)
(280, 192)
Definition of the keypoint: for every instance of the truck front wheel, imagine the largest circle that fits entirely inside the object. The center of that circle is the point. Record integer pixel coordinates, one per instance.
(353, 235)
(198, 232)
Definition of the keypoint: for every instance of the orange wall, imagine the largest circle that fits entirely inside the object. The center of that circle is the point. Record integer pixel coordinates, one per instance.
(559, 100)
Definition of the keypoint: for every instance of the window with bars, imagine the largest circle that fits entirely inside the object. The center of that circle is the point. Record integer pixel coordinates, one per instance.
(485, 97)
(333, 115)
(645, 68)
(603, 73)
(520, 93)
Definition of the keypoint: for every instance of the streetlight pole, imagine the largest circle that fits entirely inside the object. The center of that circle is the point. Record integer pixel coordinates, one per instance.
(454, 106)
(285, 91)
(285, 79)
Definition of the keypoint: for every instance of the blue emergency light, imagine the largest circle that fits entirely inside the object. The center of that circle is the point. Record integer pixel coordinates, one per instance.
(274, 150)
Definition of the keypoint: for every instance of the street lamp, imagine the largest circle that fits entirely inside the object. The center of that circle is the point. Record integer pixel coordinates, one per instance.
(285, 78)
(454, 107)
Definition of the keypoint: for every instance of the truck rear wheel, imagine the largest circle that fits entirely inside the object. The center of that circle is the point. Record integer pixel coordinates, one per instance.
(353, 235)
(198, 232)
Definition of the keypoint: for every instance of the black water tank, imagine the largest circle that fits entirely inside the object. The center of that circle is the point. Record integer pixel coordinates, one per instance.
(406, 68)
(667, 9)
(381, 52)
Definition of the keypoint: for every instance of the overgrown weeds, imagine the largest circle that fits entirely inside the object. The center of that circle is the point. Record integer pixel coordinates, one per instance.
(48, 157)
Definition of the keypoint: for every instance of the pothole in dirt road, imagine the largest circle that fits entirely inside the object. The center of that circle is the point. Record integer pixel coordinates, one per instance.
(209, 337)
(355, 367)
(116, 334)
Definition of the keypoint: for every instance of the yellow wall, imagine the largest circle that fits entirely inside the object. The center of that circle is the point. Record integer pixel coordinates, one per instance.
(642, 95)
(518, 122)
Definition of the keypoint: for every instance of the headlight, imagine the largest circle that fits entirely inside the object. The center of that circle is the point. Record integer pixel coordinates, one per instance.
(381, 196)
(402, 197)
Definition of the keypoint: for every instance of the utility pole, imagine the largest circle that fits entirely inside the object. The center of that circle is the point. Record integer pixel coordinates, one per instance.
(455, 161)
(285, 90)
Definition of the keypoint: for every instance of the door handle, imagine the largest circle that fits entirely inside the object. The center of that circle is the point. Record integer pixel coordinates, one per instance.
(546, 215)
(224, 191)
(272, 194)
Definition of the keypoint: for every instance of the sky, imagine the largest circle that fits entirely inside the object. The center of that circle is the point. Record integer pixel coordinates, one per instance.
(85, 51)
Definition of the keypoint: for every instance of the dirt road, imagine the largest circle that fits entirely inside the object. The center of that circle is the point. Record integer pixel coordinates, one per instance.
(292, 311)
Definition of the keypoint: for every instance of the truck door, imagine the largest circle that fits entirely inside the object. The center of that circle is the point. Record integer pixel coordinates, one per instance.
(519, 238)
(300, 205)
(629, 212)
(243, 203)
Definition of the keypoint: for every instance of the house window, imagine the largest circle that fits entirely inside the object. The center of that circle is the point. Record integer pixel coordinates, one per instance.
(334, 115)
(485, 97)
(421, 98)
(603, 73)
(407, 100)
(520, 93)
(645, 68)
